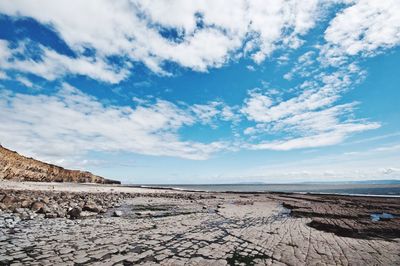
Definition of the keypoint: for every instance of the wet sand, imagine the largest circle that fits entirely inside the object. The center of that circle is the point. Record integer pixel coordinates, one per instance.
(120, 225)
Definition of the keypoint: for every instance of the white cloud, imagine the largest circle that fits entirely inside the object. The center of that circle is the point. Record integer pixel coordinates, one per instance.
(365, 27)
(256, 106)
(356, 165)
(304, 67)
(71, 123)
(309, 118)
(206, 112)
(53, 65)
(24, 81)
(210, 33)
(320, 139)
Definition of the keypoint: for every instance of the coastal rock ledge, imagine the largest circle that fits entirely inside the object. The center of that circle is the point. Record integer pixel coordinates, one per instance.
(16, 167)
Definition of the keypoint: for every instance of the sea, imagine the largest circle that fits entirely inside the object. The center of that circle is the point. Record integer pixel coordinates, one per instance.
(314, 188)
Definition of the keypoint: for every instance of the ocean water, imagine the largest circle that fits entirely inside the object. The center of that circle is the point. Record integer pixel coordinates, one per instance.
(346, 189)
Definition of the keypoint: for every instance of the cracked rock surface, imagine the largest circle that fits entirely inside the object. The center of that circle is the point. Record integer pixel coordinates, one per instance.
(182, 228)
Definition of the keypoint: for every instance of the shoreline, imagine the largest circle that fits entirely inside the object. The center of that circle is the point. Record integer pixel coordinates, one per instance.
(127, 188)
(259, 192)
(78, 224)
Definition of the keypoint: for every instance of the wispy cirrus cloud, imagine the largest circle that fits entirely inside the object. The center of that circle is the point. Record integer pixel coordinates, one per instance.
(309, 118)
(53, 65)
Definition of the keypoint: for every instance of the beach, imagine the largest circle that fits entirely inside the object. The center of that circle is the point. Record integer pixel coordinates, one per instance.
(97, 224)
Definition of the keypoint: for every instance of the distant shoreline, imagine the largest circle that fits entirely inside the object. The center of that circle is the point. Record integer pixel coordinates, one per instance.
(172, 188)
(133, 188)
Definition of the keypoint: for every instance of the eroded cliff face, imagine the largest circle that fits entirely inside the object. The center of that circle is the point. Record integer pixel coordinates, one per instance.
(14, 166)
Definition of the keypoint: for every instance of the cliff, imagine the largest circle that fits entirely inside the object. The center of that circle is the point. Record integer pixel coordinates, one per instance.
(14, 166)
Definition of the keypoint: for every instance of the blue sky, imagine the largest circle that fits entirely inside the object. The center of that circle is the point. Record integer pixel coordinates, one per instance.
(204, 91)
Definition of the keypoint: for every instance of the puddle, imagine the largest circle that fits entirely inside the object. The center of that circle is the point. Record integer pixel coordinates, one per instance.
(375, 217)
(284, 212)
(137, 211)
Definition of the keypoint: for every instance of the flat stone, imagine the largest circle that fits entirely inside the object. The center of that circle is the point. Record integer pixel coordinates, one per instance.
(82, 260)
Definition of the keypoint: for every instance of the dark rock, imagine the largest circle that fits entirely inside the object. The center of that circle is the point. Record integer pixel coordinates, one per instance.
(75, 212)
(37, 206)
(91, 207)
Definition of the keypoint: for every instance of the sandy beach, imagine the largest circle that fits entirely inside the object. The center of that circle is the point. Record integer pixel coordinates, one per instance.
(77, 224)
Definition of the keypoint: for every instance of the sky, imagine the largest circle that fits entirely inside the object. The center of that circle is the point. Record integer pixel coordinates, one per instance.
(191, 92)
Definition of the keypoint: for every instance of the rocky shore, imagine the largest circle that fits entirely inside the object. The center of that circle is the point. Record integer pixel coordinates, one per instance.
(101, 225)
